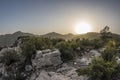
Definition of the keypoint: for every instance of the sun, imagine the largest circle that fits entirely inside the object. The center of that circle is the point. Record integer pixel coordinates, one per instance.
(82, 28)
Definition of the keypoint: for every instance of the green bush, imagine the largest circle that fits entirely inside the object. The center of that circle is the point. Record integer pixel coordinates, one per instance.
(67, 52)
(28, 49)
(102, 68)
(10, 57)
(99, 70)
(109, 54)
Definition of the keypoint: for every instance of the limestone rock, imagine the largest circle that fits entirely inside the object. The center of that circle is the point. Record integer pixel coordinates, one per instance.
(47, 59)
(94, 53)
(59, 77)
(28, 68)
(43, 76)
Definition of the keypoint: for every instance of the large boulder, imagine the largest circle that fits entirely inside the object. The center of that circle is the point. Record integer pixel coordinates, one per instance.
(65, 73)
(51, 58)
(94, 53)
(44, 75)
(4, 50)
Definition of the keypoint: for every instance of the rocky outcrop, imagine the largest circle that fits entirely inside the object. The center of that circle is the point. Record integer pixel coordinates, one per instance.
(94, 53)
(4, 50)
(86, 59)
(50, 58)
(46, 65)
(47, 58)
(66, 72)
(43, 76)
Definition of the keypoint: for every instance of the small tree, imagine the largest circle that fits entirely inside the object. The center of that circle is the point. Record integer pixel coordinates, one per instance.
(105, 33)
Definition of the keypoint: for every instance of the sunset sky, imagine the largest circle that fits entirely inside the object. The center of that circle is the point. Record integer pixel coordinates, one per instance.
(43, 16)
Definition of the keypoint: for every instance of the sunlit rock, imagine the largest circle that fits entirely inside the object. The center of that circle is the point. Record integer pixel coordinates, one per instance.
(94, 53)
(47, 59)
(43, 76)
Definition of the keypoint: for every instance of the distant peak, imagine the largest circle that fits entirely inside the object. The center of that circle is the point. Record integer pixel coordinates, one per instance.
(53, 33)
(17, 32)
(69, 34)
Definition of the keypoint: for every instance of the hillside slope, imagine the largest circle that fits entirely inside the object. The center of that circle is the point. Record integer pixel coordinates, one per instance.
(9, 39)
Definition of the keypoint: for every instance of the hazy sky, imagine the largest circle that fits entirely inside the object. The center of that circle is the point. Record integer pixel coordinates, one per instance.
(43, 16)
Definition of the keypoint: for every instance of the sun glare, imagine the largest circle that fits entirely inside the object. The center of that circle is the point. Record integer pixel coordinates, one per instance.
(82, 28)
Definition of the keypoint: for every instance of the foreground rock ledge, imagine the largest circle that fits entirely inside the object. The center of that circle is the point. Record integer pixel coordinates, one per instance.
(50, 58)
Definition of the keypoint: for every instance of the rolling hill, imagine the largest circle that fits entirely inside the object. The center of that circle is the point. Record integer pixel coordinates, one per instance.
(9, 39)
(57, 35)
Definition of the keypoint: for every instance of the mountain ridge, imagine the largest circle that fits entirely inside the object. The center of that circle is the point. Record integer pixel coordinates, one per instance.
(9, 39)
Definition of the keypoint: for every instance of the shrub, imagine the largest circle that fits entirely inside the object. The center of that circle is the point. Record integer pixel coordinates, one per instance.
(10, 57)
(109, 54)
(102, 68)
(28, 49)
(67, 52)
(99, 70)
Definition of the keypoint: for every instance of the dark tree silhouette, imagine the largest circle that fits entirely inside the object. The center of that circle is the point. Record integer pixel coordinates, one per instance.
(105, 33)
